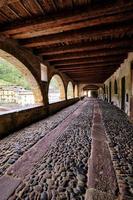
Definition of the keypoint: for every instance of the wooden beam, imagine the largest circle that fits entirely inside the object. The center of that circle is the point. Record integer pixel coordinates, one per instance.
(98, 15)
(86, 46)
(92, 80)
(88, 66)
(86, 54)
(79, 70)
(81, 61)
(77, 35)
(73, 26)
(95, 70)
(88, 72)
(92, 77)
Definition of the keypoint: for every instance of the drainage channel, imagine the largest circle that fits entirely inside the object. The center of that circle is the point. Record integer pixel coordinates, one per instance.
(102, 183)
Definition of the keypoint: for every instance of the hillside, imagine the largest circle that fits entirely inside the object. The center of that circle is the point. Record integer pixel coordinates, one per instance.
(10, 75)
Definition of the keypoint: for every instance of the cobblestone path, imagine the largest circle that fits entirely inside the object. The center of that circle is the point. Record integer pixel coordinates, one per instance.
(13, 146)
(82, 152)
(59, 169)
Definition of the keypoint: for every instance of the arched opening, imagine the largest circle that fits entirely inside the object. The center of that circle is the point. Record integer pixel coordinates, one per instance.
(101, 92)
(89, 93)
(107, 93)
(70, 90)
(115, 87)
(76, 91)
(56, 90)
(85, 92)
(18, 87)
(123, 92)
(92, 90)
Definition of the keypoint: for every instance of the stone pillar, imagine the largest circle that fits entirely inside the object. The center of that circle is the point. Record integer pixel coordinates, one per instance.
(44, 87)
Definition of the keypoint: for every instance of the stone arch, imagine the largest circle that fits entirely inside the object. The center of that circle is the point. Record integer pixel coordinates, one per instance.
(91, 87)
(56, 90)
(26, 73)
(115, 87)
(76, 91)
(70, 92)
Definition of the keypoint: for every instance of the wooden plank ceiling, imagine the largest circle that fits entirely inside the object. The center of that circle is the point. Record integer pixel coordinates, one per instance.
(86, 39)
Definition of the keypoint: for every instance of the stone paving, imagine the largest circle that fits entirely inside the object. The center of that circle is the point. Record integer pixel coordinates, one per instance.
(61, 173)
(49, 159)
(120, 138)
(13, 146)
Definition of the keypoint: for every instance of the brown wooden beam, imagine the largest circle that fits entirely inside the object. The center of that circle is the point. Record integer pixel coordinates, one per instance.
(86, 54)
(73, 20)
(80, 47)
(73, 26)
(89, 69)
(90, 61)
(101, 65)
(92, 71)
(92, 78)
(83, 34)
(87, 66)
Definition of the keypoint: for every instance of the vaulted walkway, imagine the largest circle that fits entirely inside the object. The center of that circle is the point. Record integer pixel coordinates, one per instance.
(82, 152)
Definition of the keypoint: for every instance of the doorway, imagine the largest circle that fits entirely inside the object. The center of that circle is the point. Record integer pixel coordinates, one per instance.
(123, 92)
(110, 89)
(131, 99)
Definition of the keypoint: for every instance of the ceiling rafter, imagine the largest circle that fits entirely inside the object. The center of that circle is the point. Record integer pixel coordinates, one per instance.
(87, 44)
(90, 34)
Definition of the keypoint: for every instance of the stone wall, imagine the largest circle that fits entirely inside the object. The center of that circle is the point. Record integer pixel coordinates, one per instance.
(54, 107)
(123, 71)
(15, 120)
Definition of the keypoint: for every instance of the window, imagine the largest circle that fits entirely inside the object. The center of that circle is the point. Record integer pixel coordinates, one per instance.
(70, 90)
(56, 91)
(44, 75)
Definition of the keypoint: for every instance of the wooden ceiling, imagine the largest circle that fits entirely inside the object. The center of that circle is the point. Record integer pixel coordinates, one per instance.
(86, 39)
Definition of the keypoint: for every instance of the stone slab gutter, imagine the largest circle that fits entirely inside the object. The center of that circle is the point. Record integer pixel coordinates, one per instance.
(102, 184)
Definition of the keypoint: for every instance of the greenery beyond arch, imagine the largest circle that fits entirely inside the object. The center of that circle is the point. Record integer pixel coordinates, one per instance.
(25, 72)
(70, 93)
(56, 90)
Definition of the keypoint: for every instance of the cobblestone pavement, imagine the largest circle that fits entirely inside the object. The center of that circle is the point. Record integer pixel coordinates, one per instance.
(13, 146)
(120, 137)
(61, 173)
(62, 144)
